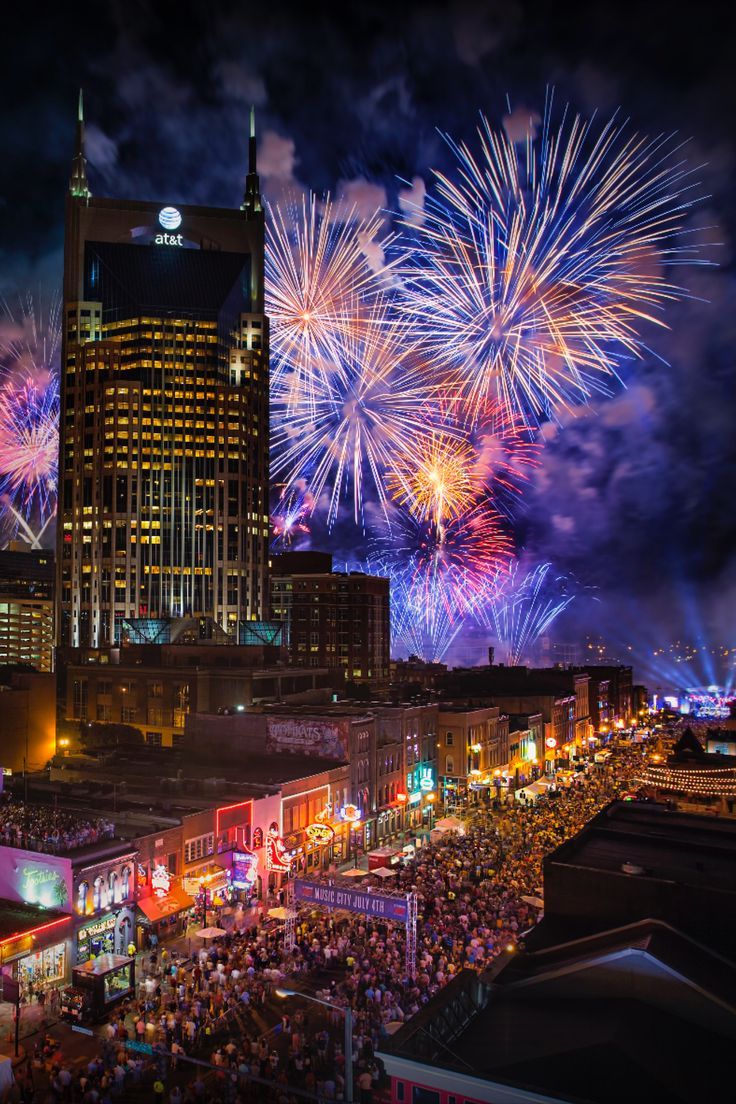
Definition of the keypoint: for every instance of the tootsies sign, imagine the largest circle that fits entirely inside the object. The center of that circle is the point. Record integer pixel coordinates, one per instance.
(36, 879)
(353, 900)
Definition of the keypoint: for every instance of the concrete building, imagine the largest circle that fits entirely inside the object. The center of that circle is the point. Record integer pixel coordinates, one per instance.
(526, 748)
(27, 719)
(635, 860)
(620, 693)
(154, 686)
(561, 696)
(27, 607)
(333, 619)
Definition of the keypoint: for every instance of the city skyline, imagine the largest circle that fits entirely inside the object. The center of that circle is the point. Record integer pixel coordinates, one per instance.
(614, 463)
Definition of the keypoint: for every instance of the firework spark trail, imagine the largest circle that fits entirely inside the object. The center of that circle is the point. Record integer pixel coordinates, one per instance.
(290, 517)
(454, 566)
(524, 609)
(317, 273)
(358, 417)
(29, 415)
(29, 443)
(439, 473)
(536, 266)
(30, 337)
(422, 625)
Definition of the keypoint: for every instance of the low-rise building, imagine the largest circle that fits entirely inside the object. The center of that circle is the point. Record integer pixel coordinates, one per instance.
(155, 686)
(526, 748)
(473, 742)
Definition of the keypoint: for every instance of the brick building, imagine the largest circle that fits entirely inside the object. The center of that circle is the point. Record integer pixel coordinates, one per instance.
(333, 619)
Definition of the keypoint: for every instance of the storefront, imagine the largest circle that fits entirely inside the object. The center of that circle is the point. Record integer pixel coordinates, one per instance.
(34, 947)
(42, 970)
(164, 914)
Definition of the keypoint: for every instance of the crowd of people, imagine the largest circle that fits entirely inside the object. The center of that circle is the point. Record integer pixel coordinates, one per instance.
(478, 893)
(48, 829)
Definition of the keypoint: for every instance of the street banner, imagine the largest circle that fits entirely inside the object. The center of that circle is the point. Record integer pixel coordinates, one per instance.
(353, 900)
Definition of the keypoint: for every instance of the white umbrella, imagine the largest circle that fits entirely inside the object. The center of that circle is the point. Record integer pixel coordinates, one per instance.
(383, 872)
(356, 872)
(535, 902)
(210, 933)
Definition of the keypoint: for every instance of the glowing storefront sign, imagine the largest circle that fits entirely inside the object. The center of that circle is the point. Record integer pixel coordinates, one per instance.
(351, 813)
(551, 742)
(277, 858)
(320, 833)
(245, 869)
(531, 751)
(160, 880)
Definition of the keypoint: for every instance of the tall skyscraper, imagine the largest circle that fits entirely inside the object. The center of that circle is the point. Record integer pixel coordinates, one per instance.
(163, 466)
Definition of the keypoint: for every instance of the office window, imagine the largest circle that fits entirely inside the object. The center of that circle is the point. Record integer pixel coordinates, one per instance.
(449, 739)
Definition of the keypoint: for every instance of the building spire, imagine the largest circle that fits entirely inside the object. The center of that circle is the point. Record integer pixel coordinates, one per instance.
(252, 199)
(78, 185)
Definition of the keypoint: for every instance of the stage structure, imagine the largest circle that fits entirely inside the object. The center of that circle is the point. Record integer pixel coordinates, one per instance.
(401, 908)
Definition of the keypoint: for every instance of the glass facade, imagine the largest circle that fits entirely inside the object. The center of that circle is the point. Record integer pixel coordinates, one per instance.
(164, 426)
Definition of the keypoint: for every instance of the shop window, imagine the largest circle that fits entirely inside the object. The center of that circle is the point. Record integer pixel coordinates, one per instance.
(82, 897)
(420, 1095)
(99, 898)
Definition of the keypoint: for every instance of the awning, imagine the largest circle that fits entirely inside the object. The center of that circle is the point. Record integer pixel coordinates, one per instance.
(156, 908)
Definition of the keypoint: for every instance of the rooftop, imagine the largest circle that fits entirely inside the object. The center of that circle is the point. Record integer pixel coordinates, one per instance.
(571, 1021)
(667, 845)
(17, 920)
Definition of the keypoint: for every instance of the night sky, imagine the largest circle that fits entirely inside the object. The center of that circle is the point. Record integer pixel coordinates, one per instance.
(635, 493)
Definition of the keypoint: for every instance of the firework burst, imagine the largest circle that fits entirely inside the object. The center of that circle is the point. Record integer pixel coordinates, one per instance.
(459, 562)
(359, 415)
(537, 264)
(524, 609)
(29, 444)
(317, 273)
(29, 415)
(290, 517)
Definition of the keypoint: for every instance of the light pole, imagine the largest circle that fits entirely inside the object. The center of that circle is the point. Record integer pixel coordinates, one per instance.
(348, 1014)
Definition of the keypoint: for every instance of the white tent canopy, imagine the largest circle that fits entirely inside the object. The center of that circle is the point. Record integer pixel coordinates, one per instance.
(384, 872)
(210, 933)
(451, 824)
(533, 790)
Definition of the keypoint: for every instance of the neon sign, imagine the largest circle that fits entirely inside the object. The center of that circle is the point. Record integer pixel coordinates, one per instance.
(245, 869)
(351, 813)
(277, 858)
(169, 239)
(160, 880)
(426, 781)
(320, 833)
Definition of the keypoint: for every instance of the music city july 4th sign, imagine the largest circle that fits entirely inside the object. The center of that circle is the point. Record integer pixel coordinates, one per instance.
(353, 900)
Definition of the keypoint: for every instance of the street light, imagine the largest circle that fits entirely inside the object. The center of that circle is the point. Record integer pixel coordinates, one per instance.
(348, 1014)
